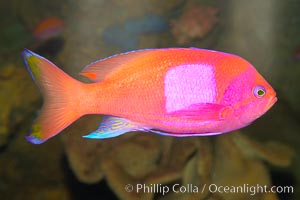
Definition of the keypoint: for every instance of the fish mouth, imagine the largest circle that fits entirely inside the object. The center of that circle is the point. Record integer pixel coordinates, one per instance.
(271, 102)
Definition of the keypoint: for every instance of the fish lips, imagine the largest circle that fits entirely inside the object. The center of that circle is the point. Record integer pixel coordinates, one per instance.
(271, 102)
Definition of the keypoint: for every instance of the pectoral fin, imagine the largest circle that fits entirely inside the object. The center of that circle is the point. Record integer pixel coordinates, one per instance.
(112, 127)
(204, 111)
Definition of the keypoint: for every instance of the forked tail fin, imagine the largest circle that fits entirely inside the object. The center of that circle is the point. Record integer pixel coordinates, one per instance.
(61, 95)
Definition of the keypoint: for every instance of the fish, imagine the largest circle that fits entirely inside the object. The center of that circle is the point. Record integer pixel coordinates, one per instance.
(176, 92)
(48, 28)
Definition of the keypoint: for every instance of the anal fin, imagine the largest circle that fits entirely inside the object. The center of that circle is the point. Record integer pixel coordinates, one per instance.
(112, 127)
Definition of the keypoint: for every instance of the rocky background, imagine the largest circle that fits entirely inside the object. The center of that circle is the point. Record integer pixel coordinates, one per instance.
(75, 33)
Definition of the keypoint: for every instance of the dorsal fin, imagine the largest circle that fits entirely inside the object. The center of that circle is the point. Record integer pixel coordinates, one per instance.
(99, 70)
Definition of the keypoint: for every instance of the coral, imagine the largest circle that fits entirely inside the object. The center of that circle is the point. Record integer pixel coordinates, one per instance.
(14, 108)
(231, 159)
(195, 22)
(36, 172)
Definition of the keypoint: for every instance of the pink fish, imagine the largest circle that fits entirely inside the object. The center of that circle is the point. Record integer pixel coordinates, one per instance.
(174, 91)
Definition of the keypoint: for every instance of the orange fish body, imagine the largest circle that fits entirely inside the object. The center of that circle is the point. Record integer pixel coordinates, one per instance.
(175, 91)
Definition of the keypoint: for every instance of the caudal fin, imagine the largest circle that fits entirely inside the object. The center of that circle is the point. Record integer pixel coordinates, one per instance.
(60, 93)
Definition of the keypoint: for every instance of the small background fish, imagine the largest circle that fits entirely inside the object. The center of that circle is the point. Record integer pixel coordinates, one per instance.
(48, 28)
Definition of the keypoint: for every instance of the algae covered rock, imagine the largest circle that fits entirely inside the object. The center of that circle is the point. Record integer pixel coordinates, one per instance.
(17, 99)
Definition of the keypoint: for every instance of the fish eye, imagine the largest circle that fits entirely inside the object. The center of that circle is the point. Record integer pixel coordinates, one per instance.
(259, 91)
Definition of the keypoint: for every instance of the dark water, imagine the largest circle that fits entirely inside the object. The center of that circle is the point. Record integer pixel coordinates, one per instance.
(74, 33)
